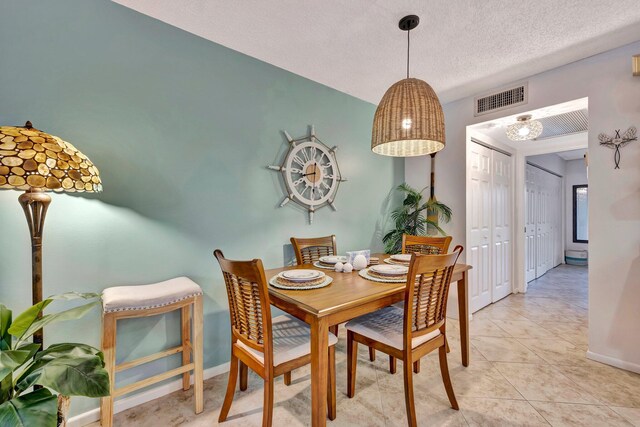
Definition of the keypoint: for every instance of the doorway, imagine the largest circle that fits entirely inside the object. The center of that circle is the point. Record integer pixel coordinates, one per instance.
(517, 210)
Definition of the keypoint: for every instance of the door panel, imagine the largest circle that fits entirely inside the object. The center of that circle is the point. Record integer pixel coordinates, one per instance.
(479, 241)
(502, 211)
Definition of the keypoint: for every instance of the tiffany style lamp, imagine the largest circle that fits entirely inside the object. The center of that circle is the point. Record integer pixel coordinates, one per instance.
(36, 162)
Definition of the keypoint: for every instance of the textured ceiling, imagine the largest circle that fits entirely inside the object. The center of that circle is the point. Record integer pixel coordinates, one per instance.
(461, 47)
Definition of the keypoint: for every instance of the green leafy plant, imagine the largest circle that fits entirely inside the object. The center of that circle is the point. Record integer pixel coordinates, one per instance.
(409, 217)
(69, 369)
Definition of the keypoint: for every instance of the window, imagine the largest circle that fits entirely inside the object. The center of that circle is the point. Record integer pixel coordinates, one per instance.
(580, 214)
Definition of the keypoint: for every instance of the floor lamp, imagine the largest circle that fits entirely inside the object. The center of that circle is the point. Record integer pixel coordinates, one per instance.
(36, 162)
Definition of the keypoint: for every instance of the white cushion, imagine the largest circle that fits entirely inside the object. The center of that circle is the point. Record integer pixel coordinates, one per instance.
(291, 339)
(385, 326)
(141, 297)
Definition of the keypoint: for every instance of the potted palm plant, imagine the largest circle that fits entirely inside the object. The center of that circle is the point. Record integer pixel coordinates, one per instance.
(409, 217)
(36, 383)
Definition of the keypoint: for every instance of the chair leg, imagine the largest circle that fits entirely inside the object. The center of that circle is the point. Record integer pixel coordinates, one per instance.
(372, 354)
(444, 370)
(109, 351)
(331, 384)
(185, 320)
(416, 367)
(287, 378)
(408, 393)
(392, 364)
(198, 354)
(334, 330)
(231, 388)
(267, 410)
(244, 376)
(446, 343)
(352, 363)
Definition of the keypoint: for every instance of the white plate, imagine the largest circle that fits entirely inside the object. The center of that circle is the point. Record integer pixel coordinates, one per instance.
(332, 259)
(401, 257)
(389, 270)
(301, 275)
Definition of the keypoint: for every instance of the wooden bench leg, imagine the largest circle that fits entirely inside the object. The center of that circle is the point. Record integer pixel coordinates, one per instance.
(185, 320)
(109, 351)
(198, 354)
(416, 366)
(287, 378)
(392, 364)
(372, 354)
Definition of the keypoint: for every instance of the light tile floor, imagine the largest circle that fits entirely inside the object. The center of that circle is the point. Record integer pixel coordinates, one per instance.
(528, 368)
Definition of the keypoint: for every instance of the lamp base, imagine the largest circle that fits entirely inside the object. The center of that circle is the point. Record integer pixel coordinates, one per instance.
(35, 203)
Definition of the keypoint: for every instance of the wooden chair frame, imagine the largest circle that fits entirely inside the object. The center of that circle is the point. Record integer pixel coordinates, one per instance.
(242, 359)
(420, 265)
(309, 250)
(191, 348)
(421, 243)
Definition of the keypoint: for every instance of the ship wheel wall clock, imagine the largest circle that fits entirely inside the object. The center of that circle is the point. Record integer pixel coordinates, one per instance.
(310, 172)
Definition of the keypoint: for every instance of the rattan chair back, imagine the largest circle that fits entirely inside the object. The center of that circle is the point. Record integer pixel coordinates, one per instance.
(425, 245)
(309, 250)
(426, 295)
(248, 296)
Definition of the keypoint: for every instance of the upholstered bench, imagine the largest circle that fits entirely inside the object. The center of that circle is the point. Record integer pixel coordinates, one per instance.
(123, 302)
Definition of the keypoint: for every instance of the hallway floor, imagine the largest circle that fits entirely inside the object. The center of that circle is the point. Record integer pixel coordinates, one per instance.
(528, 368)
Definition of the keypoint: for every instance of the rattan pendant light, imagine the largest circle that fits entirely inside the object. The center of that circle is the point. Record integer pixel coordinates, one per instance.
(409, 120)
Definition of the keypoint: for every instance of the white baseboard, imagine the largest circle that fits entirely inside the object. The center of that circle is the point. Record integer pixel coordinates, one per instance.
(628, 366)
(140, 398)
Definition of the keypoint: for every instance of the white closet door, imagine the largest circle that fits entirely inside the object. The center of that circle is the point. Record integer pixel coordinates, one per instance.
(502, 211)
(530, 223)
(479, 239)
(544, 201)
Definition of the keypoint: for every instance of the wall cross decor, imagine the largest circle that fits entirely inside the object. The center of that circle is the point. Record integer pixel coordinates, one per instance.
(618, 141)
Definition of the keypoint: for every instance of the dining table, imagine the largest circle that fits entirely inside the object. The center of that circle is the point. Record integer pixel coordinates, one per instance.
(347, 297)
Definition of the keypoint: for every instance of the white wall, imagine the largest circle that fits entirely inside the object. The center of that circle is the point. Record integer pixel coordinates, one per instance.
(614, 210)
(575, 174)
(551, 162)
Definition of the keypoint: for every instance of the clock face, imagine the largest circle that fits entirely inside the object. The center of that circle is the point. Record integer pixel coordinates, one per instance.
(311, 173)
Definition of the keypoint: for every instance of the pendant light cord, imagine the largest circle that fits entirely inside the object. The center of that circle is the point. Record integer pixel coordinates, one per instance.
(408, 52)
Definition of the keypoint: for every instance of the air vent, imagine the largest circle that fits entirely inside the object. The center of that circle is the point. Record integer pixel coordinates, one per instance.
(564, 124)
(497, 101)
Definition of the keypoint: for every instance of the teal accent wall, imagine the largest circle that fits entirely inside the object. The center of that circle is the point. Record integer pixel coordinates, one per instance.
(181, 129)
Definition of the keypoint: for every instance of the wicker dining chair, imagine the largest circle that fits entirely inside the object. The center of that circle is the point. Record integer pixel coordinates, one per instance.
(425, 245)
(270, 347)
(309, 250)
(412, 332)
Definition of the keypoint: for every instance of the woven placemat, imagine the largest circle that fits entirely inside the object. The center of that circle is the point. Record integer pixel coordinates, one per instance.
(325, 266)
(281, 283)
(365, 274)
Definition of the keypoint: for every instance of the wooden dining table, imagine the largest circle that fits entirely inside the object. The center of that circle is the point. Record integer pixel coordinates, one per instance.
(347, 297)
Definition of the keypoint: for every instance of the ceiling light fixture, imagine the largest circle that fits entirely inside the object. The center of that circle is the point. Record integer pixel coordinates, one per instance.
(409, 120)
(524, 129)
